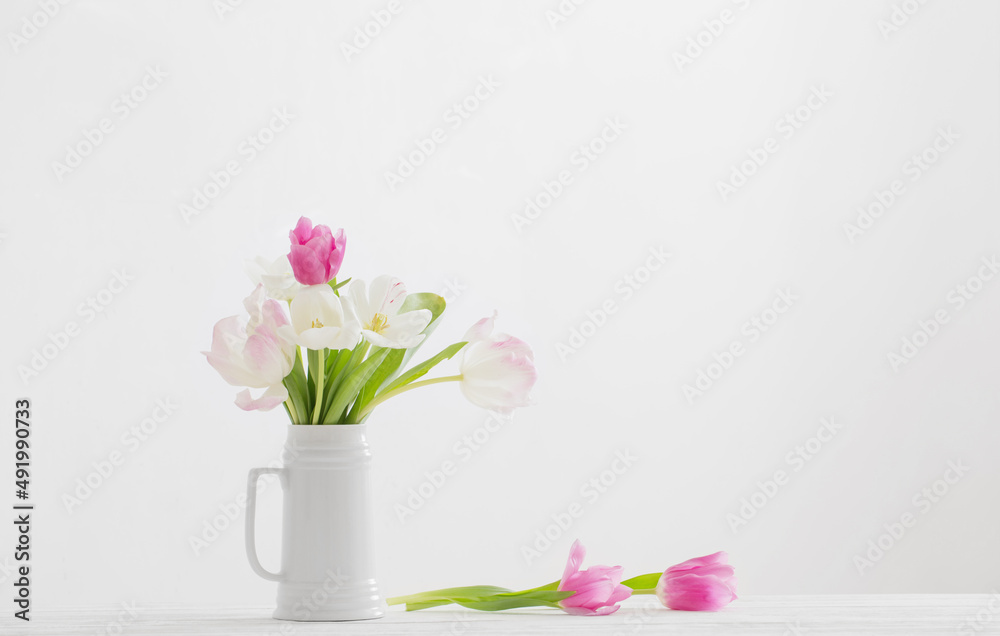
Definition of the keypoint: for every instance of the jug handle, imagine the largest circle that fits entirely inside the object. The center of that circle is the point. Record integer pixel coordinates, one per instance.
(251, 522)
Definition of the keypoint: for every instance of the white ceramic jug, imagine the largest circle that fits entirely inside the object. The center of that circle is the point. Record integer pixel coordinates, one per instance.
(327, 539)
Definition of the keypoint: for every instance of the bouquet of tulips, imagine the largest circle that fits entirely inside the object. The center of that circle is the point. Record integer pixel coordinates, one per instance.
(704, 584)
(331, 351)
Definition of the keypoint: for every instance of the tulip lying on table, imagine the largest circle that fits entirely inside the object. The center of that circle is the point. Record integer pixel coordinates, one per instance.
(701, 584)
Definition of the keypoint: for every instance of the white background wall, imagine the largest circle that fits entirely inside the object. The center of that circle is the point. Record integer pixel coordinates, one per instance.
(655, 186)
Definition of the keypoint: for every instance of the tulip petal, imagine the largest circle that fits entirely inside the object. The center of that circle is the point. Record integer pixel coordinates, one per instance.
(302, 232)
(711, 559)
(358, 294)
(380, 340)
(481, 330)
(271, 398)
(701, 584)
(228, 340)
(326, 338)
(308, 268)
(576, 554)
(316, 305)
(404, 330)
(591, 594)
(266, 357)
(386, 295)
(621, 593)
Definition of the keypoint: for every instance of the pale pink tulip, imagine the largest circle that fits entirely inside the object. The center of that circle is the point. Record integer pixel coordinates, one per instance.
(598, 588)
(254, 355)
(316, 252)
(703, 584)
(498, 371)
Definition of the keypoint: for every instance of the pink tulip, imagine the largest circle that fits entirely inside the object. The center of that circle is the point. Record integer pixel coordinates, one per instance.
(703, 584)
(598, 588)
(316, 252)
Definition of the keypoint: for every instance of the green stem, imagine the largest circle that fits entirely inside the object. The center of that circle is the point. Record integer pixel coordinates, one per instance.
(320, 376)
(486, 598)
(448, 592)
(290, 409)
(298, 390)
(404, 389)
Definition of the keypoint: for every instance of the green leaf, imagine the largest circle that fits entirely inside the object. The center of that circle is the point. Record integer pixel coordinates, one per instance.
(551, 587)
(389, 365)
(413, 607)
(331, 361)
(334, 285)
(344, 366)
(484, 598)
(310, 376)
(298, 390)
(335, 370)
(512, 600)
(421, 369)
(335, 374)
(315, 375)
(498, 604)
(425, 300)
(644, 582)
(468, 591)
(352, 384)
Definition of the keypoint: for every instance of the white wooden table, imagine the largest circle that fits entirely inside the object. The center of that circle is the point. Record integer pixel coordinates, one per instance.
(957, 614)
